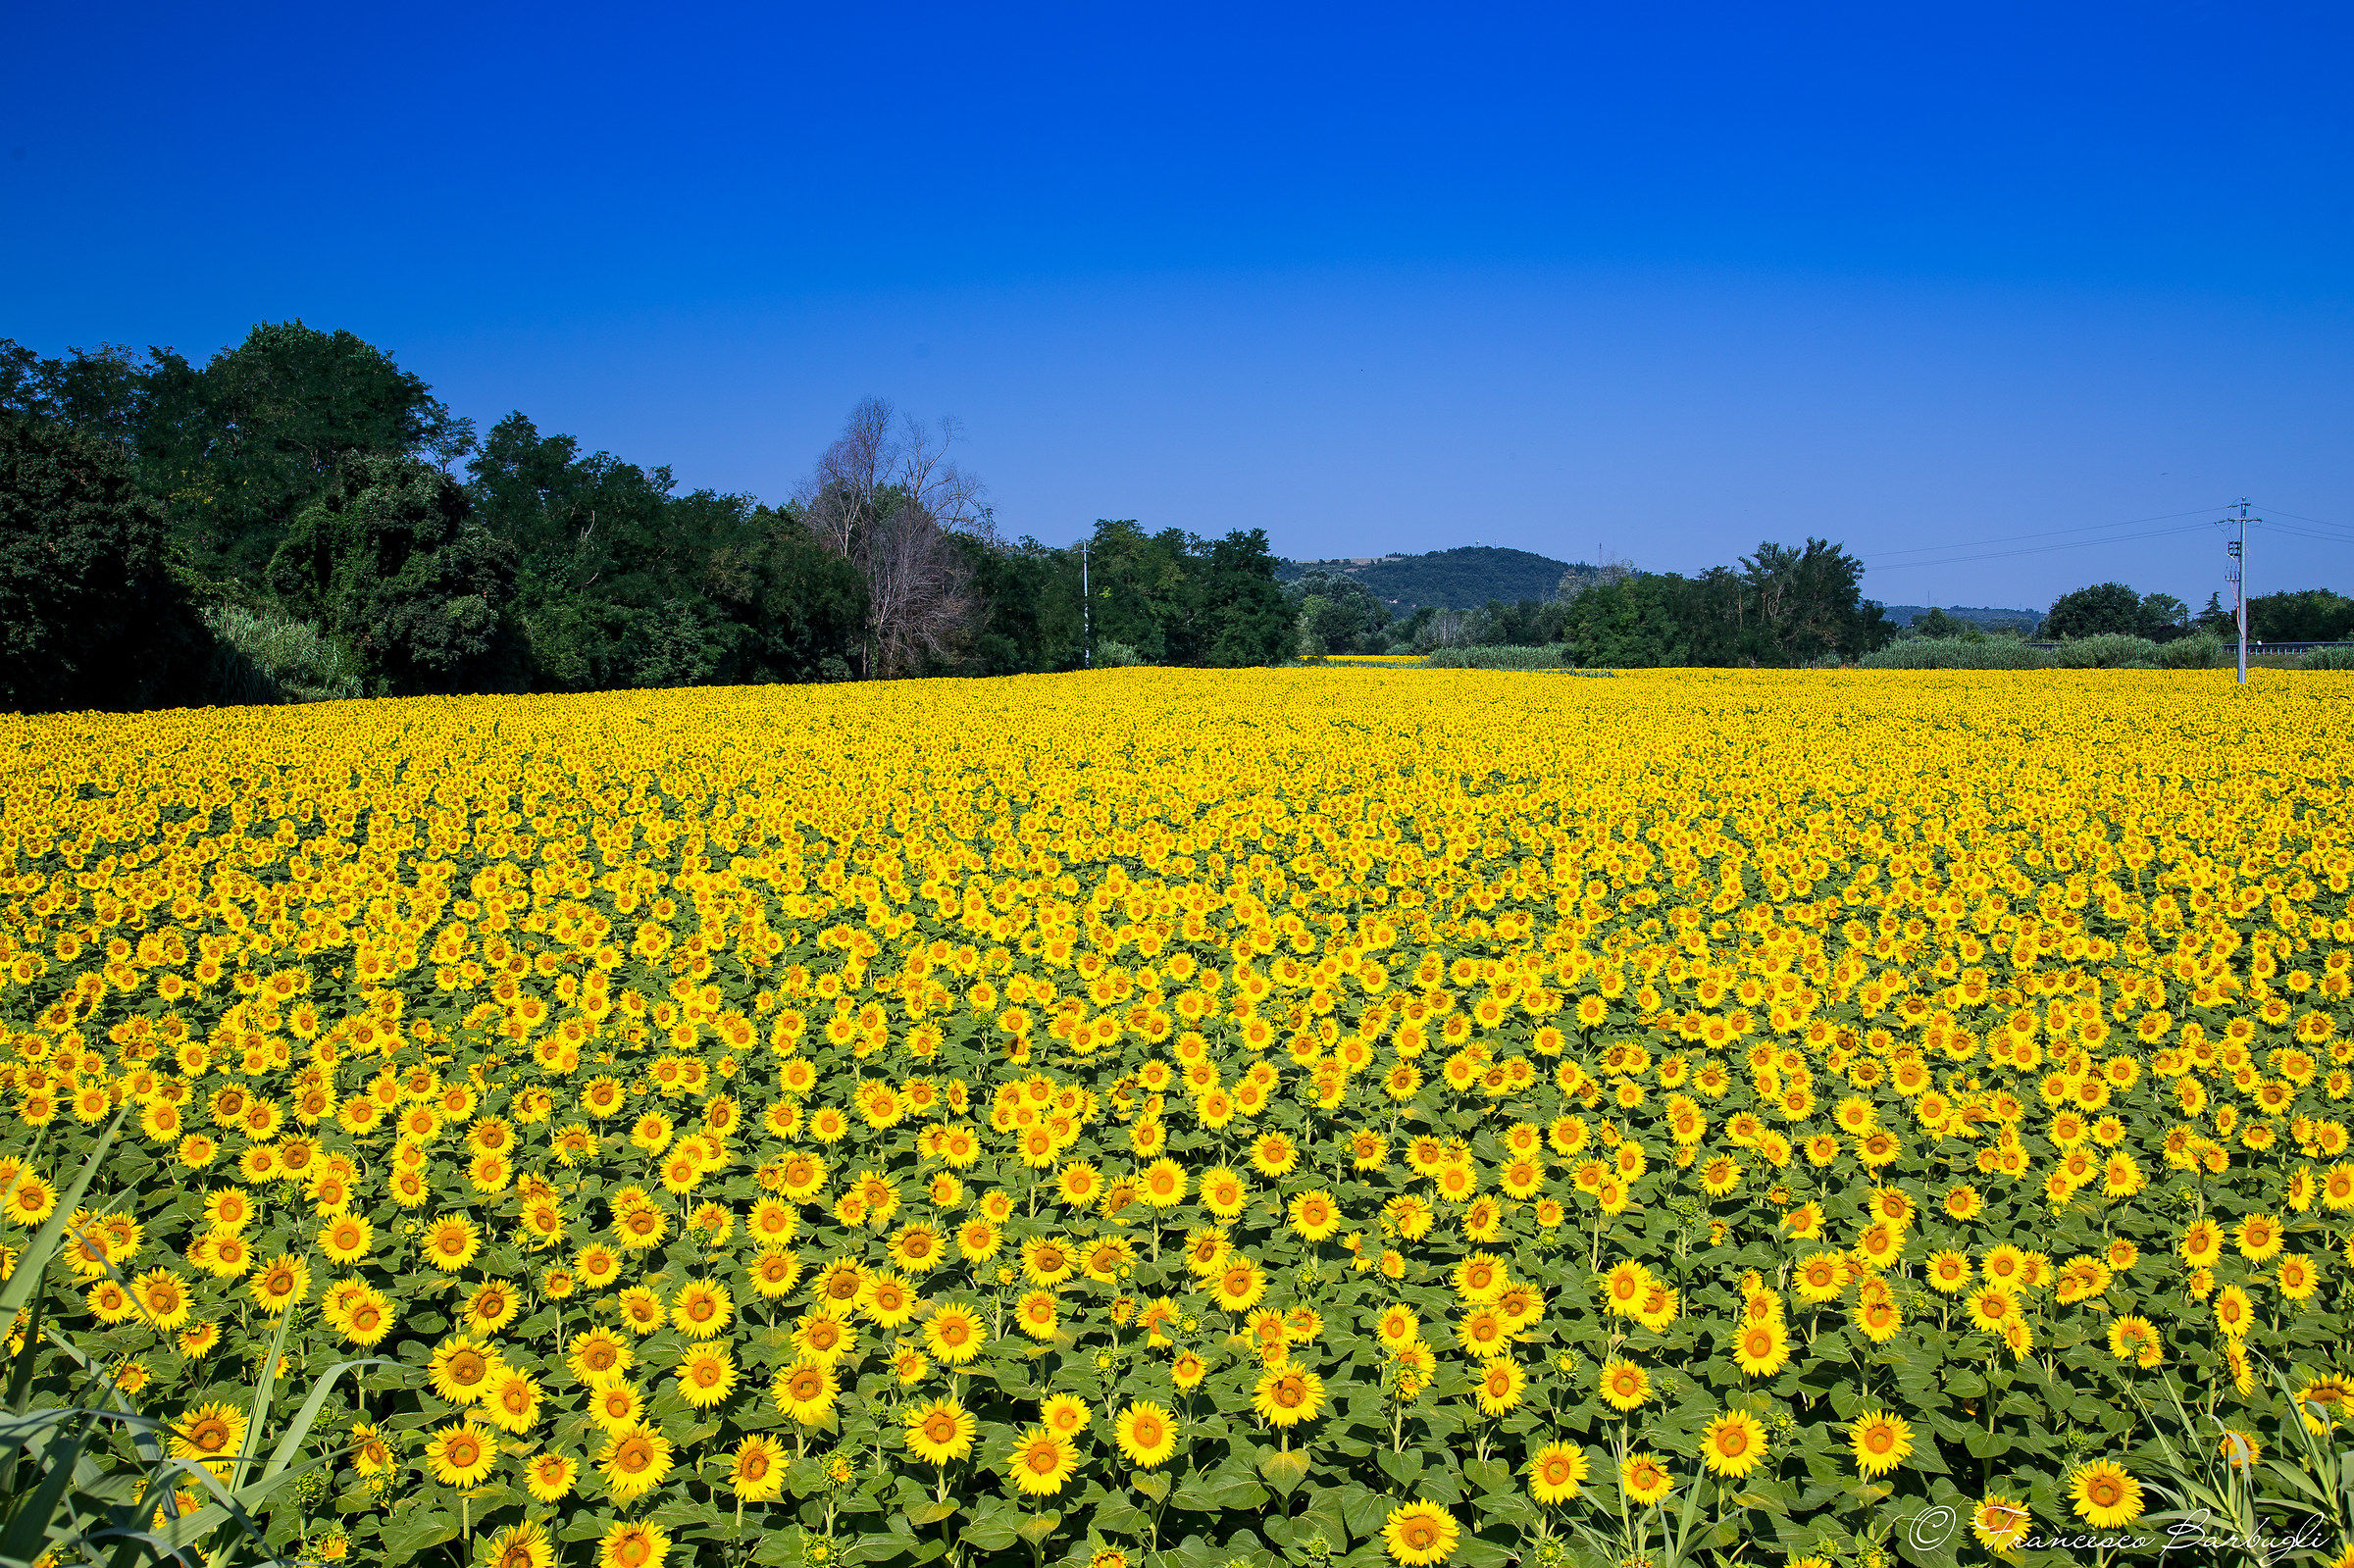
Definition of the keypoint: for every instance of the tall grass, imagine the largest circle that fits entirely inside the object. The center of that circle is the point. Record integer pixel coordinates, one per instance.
(1500, 656)
(271, 657)
(1958, 653)
(2112, 652)
(2328, 659)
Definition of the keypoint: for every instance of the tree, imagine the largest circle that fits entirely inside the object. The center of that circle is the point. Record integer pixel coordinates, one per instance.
(2108, 608)
(1808, 602)
(886, 498)
(1337, 614)
(2309, 615)
(389, 560)
(90, 613)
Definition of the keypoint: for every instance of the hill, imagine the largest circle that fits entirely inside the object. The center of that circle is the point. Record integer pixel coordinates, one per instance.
(1905, 614)
(1461, 579)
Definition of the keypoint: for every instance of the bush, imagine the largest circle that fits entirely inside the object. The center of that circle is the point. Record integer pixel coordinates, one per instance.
(2111, 650)
(1554, 656)
(2328, 659)
(272, 657)
(1958, 653)
(1116, 656)
(2201, 650)
(90, 613)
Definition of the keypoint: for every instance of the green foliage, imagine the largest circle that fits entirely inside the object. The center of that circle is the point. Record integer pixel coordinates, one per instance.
(2111, 609)
(1335, 613)
(1786, 606)
(389, 560)
(2108, 650)
(1958, 653)
(1499, 657)
(1460, 579)
(304, 476)
(90, 614)
(2328, 659)
(268, 656)
(2197, 651)
(1117, 656)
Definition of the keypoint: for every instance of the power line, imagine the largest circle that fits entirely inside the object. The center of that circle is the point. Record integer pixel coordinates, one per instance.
(2323, 521)
(2048, 534)
(2046, 549)
(2308, 533)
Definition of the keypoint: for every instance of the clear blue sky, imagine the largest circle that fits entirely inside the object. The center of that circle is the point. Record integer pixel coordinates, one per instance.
(1665, 280)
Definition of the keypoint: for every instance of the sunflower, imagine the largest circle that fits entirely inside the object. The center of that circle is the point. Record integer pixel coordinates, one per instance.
(549, 1477)
(1644, 1478)
(819, 1335)
(632, 1546)
(491, 1307)
(1315, 1215)
(955, 1334)
(1041, 1462)
(514, 1401)
(1419, 1533)
(634, 1462)
(523, 1545)
(756, 1470)
(1624, 1385)
(462, 1370)
(1145, 1433)
(281, 1282)
(806, 1392)
(450, 1242)
(1239, 1286)
(163, 1298)
(2104, 1496)
(1733, 1444)
(706, 1377)
(1500, 1386)
(940, 1432)
(346, 1237)
(1761, 1348)
(889, 1300)
(615, 1404)
(1880, 1441)
(702, 1308)
(1998, 1521)
(461, 1455)
(211, 1434)
(598, 1355)
(1287, 1396)
(1064, 1415)
(1557, 1473)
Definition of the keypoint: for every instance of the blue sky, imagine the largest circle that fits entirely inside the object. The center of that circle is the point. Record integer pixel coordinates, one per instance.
(1658, 280)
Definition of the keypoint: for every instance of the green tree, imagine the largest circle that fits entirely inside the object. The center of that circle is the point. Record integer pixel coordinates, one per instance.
(391, 562)
(92, 614)
(2107, 608)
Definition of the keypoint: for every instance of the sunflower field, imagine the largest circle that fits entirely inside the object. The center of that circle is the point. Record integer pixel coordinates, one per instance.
(1181, 1118)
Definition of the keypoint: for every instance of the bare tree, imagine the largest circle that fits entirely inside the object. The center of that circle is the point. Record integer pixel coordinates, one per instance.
(886, 498)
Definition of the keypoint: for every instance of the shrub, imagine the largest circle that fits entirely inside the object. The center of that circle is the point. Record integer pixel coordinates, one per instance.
(1116, 656)
(90, 613)
(2111, 650)
(1554, 656)
(271, 657)
(1958, 653)
(2201, 650)
(2328, 659)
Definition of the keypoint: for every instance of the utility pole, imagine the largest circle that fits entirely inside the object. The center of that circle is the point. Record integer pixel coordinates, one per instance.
(2239, 581)
(1086, 621)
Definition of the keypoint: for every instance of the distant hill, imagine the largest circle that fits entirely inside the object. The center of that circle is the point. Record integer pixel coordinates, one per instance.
(1905, 614)
(1461, 579)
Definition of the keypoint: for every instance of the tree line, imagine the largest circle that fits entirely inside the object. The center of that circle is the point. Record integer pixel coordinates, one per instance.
(1784, 606)
(2116, 609)
(299, 516)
